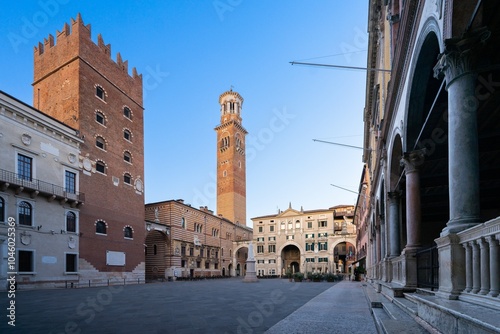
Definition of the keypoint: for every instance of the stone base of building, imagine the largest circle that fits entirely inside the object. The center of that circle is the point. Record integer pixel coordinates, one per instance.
(91, 277)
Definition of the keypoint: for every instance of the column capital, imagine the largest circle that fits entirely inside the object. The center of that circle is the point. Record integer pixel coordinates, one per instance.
(459, 56)
(413, 160)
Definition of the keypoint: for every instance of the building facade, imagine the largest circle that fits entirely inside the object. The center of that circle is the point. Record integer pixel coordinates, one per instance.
(231, 163)
(183, 241)
(430, 125)
(77, 82)
(40, 199)
(306, 241)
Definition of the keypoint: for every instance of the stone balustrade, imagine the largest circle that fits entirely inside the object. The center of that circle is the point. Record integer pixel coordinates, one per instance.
(482, 259)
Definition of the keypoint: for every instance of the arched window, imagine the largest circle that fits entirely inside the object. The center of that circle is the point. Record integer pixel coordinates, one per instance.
(127, 113)
(127, 156)
(100, 93)
(100, 167)
(25, 214)
(100, 142)
(127, 232)
(183, 222)
(100, 227)
(70, 222)
(99, 118)
(127, 178)
(127, 135)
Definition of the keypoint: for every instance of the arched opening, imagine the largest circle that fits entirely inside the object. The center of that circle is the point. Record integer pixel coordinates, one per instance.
(427, 127)
(229, 269)
(344, 254)
(241, 255)
(398, 196)
(156, 247)
(290, 258)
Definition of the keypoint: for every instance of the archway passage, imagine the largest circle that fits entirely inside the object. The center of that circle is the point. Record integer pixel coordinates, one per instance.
(344, 256)
(155, 252)
(290, 257)
(428, 128)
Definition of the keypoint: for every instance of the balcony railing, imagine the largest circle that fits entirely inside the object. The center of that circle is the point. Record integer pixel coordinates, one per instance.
(35, 187)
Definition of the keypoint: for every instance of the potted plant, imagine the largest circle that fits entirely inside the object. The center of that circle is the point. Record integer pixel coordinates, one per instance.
(316, 277)
(298, 277)
(330, 277)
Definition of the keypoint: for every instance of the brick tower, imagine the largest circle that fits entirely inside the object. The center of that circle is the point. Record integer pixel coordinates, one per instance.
(77, 82)
(231, 164)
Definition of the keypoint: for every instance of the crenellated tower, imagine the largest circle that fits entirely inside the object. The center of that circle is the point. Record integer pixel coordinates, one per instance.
(77, 82)
(231, 163)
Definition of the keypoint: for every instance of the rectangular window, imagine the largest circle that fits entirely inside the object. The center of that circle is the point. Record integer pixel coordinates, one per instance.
(323, 259)
(272, 271)
(322, 223)
(310, 236)
(260, 261)
(24, 167)
(201, 252)
(310, 247)
(322, 235)
(271, 248)
(70, 182)
(198, 264)
(290, 237)
(207, 265)
(260, 239)
(71, 263)
(309, 259)
(309, 225)
(297, 224)
(272, 238)
(260, 229)
(183, 250)
(25, 262)
(260, 249)
(183, 263)
(272, 261)
(216, 266)
(323, 246)
(191, 251)
(271, 228)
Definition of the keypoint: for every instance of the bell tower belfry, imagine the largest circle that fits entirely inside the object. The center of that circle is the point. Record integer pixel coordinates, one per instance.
(231, 163)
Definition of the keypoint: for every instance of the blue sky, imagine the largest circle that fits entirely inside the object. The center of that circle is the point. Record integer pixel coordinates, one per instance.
(190, 52)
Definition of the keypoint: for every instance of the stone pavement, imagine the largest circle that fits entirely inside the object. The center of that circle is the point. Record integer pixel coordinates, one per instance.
(341, 309)
(208, 306)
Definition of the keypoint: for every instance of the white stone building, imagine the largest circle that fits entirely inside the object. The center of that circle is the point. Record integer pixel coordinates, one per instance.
(39, 177)
(305, 241)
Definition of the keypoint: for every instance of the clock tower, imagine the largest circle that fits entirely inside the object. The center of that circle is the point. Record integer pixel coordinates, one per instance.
(231, 164)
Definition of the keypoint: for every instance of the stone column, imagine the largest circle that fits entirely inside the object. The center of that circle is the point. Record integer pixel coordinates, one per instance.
(476, 268)
(468, 267)
(494, 266)
(412, 161)
(457, 64)
(394, 231)
(485, 266)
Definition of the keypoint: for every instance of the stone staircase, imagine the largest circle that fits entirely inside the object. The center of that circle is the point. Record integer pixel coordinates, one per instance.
(423, 312)
(395, 315)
